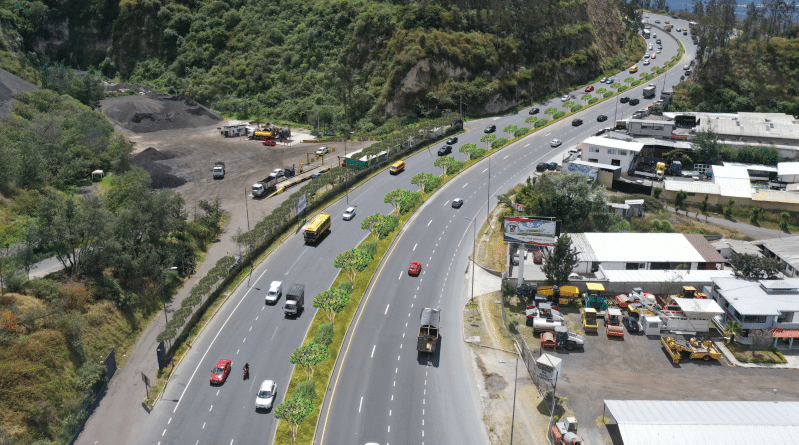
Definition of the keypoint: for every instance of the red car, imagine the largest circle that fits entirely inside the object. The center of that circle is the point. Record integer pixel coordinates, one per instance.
(415, 268)
(538, 258)
(220, 372)
(269, 142)
(589, 88)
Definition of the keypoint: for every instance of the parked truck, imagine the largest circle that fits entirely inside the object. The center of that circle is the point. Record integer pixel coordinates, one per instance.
(264, 187)
(649, 91)
(560, 295)
(429, 324)
(565, 433)
(219, 170)
(295, 298)
(589, 319)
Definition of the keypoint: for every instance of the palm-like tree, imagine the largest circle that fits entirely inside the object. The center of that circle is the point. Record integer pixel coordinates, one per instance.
(733, 329)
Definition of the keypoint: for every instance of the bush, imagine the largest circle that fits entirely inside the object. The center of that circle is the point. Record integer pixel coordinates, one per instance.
(559, 115)
(44, 289)
(370, 247)
(541, 122)
(783, 225)
(728, 212)
(513, 326)
(477, 154)
(576, 108)
(324, 335)
(521, 132)
(456, 166)
(608, 94)
(305, 391)
(656, 192)
(408, 204)
(499, 143)
(346, 286)
(593, 100)
(624, 88)
(15, 281)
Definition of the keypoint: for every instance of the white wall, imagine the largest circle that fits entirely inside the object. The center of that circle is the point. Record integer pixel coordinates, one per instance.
(604, 155)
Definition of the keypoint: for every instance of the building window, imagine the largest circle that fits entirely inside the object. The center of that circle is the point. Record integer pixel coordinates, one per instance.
(615, 162)
(631, 266)
(593, 149)
(593, 160)
(611, 151)
(754, 319)
(622, 152)
(785, 317)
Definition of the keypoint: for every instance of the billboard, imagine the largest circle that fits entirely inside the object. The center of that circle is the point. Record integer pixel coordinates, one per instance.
(584, 170)
(299, 206)
(531, 230)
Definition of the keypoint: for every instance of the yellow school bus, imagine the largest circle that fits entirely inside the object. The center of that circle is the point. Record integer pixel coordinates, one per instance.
(396, 167)
(317, 227)
(634, 69)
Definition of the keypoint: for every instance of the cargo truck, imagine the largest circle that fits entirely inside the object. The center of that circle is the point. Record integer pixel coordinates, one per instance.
(295, 298)
(649, 91)
(219, 170)
(429, 324)
(264, 187)
(316, 228)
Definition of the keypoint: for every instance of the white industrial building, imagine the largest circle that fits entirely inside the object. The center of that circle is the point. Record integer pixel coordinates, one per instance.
(743, 128)
(683, 422)
(785, 251)
(788, 172)
(659, 282)
(610, 152)
(647, 251)
(235, 130)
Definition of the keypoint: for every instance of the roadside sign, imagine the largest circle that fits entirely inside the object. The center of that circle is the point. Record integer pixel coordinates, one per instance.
(300, 205)
(531, 230)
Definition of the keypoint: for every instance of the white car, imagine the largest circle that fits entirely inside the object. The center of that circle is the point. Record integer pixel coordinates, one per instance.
(266, 395)
(275, 291)
(349, 213)
(646, 56)
(685, 67)
(324, 150)
(646, 62)
(277, 173)
(658, 51)
(565, 98)
(654, 56)
(556, 143)
(651, 47)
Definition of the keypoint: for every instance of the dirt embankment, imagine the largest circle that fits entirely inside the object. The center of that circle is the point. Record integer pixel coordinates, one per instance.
(149, 112)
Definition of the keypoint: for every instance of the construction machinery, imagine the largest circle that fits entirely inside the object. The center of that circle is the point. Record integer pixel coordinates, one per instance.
(593, 297)
(271, 131)
(561, 295)
(567, 339)
(692, 349)
(589, 319)
(690, 292)
(565, 433)
(613, 326)
(644, 304)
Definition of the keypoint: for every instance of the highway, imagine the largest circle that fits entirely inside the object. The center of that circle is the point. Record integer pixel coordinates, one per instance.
(382, 391)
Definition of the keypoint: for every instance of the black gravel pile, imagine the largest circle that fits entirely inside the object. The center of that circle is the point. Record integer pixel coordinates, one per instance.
(160, 178)
(150, 112)
(9, 86)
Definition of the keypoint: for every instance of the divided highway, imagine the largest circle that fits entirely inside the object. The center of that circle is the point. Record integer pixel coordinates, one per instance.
(382, 391)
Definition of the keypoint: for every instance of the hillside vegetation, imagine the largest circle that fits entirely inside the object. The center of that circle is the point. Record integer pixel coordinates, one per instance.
(351, 63)
(757, 75)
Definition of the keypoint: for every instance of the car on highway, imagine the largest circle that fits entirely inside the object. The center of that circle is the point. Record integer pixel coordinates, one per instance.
(565, 98)
(269, 143)
(604, 79)
(349, 213)
(555, 143)
(651, 47)
(601, 118)
(646, 62)
(679, 29)
(577, 122)
(538, 258)
(654, 56)
(658, 51)
(589, 88)
(490, 129)
(322, 151)
(685, 33)
(657, 21)
(457, 203)
(541, 167)
(634, 101)
(624, 99)
(667, 22)
(415, 268)
(445, 150)
(610, 80)
(266, 395)
(220, 372)
(658, 41)
(534, 110)
(646, 56)
(631, 324)
(452, 141)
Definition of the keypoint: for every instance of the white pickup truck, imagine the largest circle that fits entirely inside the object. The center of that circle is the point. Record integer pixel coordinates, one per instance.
(275, 291)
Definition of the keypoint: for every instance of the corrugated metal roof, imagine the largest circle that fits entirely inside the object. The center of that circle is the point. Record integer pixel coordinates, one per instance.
(656, 422)
(749, 298)
(730, 171)
(698, 187)
(786, 248)
(613, 143)
(734, 187)
(661, 276)
(788, 168)
(642, 247)
(703, 246)
(697, 306)
(583, 247)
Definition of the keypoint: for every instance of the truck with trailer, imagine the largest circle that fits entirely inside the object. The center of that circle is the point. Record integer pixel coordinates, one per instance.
(219, 170)
(295, 299)
(429, 325)
(692, 349)
(264, 187)
(649, 91)
(317, 228)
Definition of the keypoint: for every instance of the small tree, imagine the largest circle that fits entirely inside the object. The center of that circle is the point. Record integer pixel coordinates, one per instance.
(550, 111)
(754, 267)
(510, 129)
(488, 139)
(628, 80)
(568, 104)
(467, 148)
(703, 206)
(394, 198)
(376, 224)
(601, 91)
(426, 181)
(530, 120)
(656, 192)
(332, 301)
(754, 218)
(308, 356)
(560, 262)
(352, 261)
(443, 163)
(733, 329)
(679, 198)
(586, 98)
(294, 411)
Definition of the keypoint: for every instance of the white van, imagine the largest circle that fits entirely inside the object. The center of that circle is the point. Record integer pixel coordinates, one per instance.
(275, 291)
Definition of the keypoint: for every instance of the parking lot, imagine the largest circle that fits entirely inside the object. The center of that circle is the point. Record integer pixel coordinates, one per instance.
(638, 368)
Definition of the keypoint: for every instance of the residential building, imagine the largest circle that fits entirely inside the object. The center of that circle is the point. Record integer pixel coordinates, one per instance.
(610, 152)
(785, 251)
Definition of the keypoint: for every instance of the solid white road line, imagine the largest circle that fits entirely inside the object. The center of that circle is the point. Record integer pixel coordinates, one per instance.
(359, 406)
(386, 312)
(373, 352)
(414, 247)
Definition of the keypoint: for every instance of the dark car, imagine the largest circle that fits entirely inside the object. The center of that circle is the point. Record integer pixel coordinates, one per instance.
(542, 166)
(453, 140)
(236, 262)
(624, 99)
(634, 101)
(552, 166)
(445, 150)
(534, 110)
(631, 324)
(601, 118)
(490, 129)
(577, 122)
(457, 203)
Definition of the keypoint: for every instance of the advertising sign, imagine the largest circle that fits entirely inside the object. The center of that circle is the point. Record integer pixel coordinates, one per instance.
(548, 367)
(584, 170)
(531, 230)
(300, 205)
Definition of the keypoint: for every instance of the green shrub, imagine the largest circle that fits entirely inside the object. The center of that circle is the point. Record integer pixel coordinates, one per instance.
(44, 289)
(477, 154)
(656, 192)
(541, 122)
(324, 335)
(521, 131)
(624, 87)
(608, 94)
(456, 166)
(499, 143)
(593, 100)
(559, 115)
(346, 286)
(513, 326)
(15, 281)
(370, 247)
(410, 203)
(305, 391)
(576, 108)
(728, 212)
(783, 225)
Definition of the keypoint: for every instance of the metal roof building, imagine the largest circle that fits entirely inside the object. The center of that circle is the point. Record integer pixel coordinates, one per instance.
(658, 281)
(788, 172)
(665, 422)
(786, 251)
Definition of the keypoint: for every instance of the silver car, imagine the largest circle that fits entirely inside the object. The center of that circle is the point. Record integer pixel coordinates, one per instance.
(556, 143)
(266, 395)
(349, 213)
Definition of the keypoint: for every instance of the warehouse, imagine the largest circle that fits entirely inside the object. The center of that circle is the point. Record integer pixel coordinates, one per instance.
(659, 282)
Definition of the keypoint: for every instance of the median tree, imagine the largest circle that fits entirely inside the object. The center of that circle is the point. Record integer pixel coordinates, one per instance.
(308, 356)
(394, 198)
(530, 120)
(426, 181)
(352, 262)
(568, 104)
(443, 163)
(510, 129)
(550, 111)
(629, 80)
(586, 98)
(294, 411)
(488, 139)
(377, 224)
(332, 301)
(560, 261)
(467, 148)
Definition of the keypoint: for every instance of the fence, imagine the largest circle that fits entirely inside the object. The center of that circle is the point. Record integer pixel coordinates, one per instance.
(91, 400)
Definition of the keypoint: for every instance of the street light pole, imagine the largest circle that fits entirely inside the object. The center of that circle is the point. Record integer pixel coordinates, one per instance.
(474, 247)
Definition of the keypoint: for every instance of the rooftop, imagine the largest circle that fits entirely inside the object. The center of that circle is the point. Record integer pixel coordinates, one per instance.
(662, 276)
(788, 168)
(786, 248)
(750, 125)
(696, 306)
(732, 172)
(636, 248)
(737, 246)
(613, 143)
(750, 298)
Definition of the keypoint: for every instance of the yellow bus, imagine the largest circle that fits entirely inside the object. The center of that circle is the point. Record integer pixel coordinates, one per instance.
(634, 69)
(317, 227)
(396, 167)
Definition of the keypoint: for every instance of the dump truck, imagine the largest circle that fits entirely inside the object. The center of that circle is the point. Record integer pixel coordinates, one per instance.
(613, 326)
(649, 91)
(295, 299)
(317, 227)
(593, 297)
(272, 132)
(565, 433)
(589, 319)
(219, 170)
(264, 187)
(561, 295)
(692, 349)
(429, 324)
